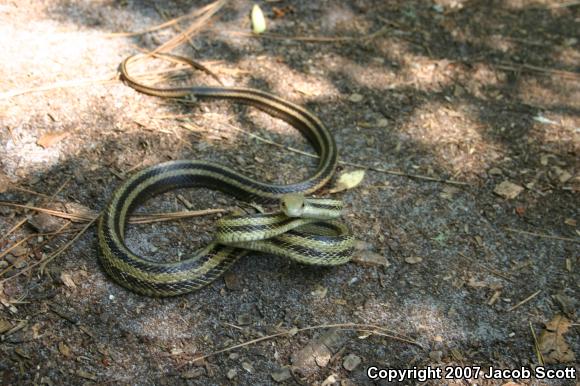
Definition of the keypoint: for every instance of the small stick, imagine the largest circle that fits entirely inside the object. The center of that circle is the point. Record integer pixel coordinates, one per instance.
(525, 300)
(345, 326)
(18, 188)
(380, 170)
(15, 227)
(166, 24)
(571, 3)
(64, 184)
(312, 39)
(177, 40)
(537, 346)
(48, 259)
(113, 77)
(541, 70)
(490, 270)
(543, 235)
(56, 233)
(134, 219)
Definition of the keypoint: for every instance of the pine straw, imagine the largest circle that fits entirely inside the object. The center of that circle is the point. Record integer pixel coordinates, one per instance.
(166, 24)
(157, 75)
(206, 14)
(88, 215)
(311, 39)
(367, 328)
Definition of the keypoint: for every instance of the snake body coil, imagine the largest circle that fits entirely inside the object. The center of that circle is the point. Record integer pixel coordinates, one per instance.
(310, 240)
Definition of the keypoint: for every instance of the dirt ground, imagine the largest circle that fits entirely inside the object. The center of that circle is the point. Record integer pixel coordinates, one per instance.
(476, 92)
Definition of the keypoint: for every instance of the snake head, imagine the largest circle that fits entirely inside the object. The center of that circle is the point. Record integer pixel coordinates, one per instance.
(292, 205)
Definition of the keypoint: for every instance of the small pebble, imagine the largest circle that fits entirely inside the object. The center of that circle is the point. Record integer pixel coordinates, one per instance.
(232, 281)
(351, 362)
(413, 259)
(383, 122)
(281, 375)
(355, 98)
(438, 8)
(231, 374)
(248, 367)
(436, 356)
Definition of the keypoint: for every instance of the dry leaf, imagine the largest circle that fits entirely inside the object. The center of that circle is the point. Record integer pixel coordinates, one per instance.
(449, 191)
(258, 20)
(318, 352)
(552, 343)
(508, 190)
(4, 326)
(348, 180)
(67, 280)
(19, 250)
(563, 175)
(49, 139)
(370, 258)
(64, 349)
(36, 330)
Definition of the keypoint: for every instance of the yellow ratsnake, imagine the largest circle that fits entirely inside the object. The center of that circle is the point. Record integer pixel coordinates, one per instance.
(305, 229)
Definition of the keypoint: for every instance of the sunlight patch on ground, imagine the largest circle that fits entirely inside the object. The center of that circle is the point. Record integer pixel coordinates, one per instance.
(568, 56)
(54, 57)
(453, 135)
(27, 155)
(430, 322)
(535, 92)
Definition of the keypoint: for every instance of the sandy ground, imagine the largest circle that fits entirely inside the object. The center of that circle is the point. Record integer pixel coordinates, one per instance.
(479, 92)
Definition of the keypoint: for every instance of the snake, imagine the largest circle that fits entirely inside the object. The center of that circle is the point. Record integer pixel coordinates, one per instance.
(306, 230)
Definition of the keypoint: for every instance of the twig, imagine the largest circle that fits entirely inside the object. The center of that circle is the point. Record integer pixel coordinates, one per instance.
(312, 39)
(24, 190)
(44, 262)
(59, 85)
(525, 300)
(134, 219)
(48, 259)
(543, 235)
(403, 174)
(14, 228)
(345, 326)
(176, 26)
(58, 232)
(564, 5)
(113, 77)
(166, 24)
(376, 169)
(537, 346)
(531, 68)
(210, 11)
(490, 270)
